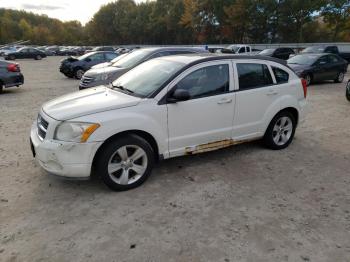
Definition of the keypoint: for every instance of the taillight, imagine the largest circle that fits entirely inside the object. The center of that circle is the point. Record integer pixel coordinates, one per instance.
(304, 83)
(13, 68)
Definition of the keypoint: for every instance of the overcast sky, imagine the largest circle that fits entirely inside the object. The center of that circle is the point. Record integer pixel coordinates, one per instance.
(65, 10)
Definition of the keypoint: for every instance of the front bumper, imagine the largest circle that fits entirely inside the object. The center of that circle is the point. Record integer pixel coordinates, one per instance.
(65, 159)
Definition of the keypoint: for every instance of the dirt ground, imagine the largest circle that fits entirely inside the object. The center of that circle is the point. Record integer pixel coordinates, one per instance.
(243, 203)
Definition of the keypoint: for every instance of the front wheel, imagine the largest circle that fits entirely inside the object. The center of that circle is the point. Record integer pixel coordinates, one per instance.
(79, 73)
(38, 57)
(280, 131)
(125, 163)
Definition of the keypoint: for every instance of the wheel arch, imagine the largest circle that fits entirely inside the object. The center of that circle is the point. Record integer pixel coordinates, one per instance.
(145, 135)
(290, 109)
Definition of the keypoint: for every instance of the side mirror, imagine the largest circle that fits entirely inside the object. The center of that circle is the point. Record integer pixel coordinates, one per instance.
(88, 59)
(179, 95)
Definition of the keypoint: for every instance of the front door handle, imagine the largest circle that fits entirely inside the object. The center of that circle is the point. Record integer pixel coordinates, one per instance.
(225, 101)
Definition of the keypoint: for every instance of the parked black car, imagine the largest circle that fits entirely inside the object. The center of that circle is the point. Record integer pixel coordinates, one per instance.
(331, 49)
(281, 52)
(10, 75)
(318, 67)
(347, 93)
(26, 52)
(67, 52)
(106, 75)
(77, 66)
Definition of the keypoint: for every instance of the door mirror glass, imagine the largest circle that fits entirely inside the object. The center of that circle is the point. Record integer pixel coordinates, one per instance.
(179, 95)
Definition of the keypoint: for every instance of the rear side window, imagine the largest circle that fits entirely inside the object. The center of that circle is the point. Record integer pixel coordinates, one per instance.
(253, 75)
(280, 75)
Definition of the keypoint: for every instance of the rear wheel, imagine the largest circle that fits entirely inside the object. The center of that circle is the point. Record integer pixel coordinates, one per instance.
(125, 163)
(340, 77)
(38, 57)
(12, 57)
(348, 91)
(280, 132)
(79, 73)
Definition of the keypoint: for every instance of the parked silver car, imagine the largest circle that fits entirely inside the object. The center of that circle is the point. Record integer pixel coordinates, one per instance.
(106, 75)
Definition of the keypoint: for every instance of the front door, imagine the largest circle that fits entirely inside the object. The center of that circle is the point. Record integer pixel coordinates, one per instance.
(204, 122)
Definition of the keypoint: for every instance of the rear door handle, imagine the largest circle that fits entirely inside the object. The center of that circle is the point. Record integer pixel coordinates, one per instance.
(272, 93)
(225, 101)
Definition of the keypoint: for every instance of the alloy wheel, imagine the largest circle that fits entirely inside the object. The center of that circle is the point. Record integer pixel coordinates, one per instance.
(127, 165)
(282, 131)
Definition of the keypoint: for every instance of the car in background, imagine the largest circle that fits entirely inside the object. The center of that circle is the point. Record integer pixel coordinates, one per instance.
(5, 50)
(237, 49)
(77, 66)
(164, 108)
(26, 52)
(66, 52)
(331, 49)
(46, 51)
(281, 52)
(107, 64)
(10, 75)
(101, 48)
(347, 92)
(104, 76)
(319, 67)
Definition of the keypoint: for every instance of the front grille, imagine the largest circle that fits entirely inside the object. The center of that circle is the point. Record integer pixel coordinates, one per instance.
(42, 127)
(85, 80)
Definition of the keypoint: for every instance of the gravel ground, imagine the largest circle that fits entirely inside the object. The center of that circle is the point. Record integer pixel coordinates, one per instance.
(243, 203)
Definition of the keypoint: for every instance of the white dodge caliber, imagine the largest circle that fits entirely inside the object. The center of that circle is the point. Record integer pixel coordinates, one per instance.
(168, 107)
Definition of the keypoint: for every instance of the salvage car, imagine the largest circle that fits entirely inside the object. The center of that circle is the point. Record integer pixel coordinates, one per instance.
(10, 75)
(77, 66)
(167, 107)
(25, 52)
(104, 76)
(331, 49)
(347, 92)
(319, 67)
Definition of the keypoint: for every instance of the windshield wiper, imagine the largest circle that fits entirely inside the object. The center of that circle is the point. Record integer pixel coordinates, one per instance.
(122, 88)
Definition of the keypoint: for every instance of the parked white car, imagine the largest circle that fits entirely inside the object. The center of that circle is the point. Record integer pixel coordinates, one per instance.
(164, 108)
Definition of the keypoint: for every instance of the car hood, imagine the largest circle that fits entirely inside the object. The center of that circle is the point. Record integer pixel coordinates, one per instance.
(88, 102)
(105, 70)
(102, 65)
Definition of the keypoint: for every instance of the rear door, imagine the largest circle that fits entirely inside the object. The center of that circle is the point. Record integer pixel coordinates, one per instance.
(256, 92)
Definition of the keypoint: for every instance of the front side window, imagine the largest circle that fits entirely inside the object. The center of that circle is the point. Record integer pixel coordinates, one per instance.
(253, 75)
(97, 57)
(280, 75)
(207, 81)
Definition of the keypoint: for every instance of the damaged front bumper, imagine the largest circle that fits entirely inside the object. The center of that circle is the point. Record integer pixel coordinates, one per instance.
(65, 159)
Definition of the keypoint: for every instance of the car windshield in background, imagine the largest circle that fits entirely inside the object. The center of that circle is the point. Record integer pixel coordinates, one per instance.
(313, 49)
(303, 59)
(267, 52)
(146, 78)
(132, 59)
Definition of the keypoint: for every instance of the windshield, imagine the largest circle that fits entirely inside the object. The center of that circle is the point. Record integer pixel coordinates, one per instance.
(118, 58)
(302, 59)
(132, 59)
(313, 49)
(234, 48)
(267, 52)
(85, 56)
(146, 78)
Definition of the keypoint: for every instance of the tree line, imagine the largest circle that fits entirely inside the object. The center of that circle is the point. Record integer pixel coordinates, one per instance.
(189, 22)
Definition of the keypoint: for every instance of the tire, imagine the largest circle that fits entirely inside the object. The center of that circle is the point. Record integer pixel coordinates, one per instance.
(347, 92)
(308, 79)
(277, 135)
(119, 170)
(340, 77)
(12, 57)
(1, 88)
(38, 57)
(78, 73)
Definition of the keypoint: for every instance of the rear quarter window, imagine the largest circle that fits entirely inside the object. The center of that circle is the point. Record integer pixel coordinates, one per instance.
(280, 75)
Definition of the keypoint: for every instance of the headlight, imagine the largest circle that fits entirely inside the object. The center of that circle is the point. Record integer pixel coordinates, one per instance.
(75, 131)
